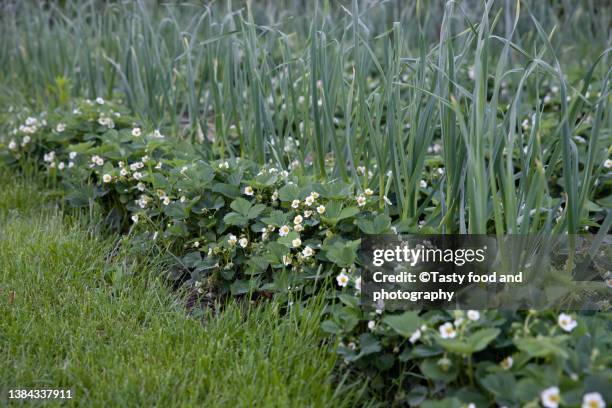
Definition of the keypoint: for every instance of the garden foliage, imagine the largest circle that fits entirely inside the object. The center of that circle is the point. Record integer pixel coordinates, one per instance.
(257, 145)
(236, 227)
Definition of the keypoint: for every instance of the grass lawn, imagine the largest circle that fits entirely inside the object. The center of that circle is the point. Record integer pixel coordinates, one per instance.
(112, 332)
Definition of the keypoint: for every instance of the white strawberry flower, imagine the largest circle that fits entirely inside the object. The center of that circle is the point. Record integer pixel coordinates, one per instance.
(136, 132)
(566, 322)
(593, 400)
(106, 121)
(243, 242)
(473, 315)
(361, 200)
(342, 279)
(107, 178)
(143, 201)
(286, 260)
(231, 239)
(415, 336)
(525, 124)
(248, 190)
(321, 209)
(307, 252)
(49, 157)
(507, 363)
(368, 191)
(283, 231)
(298, 219)
(28, 129)
(60, 127)
(97, 160)
(550, 397)
(296, 242)
(447, 331)
(295, 203)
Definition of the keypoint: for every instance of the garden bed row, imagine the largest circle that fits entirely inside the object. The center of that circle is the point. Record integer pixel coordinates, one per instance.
(236, 227)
